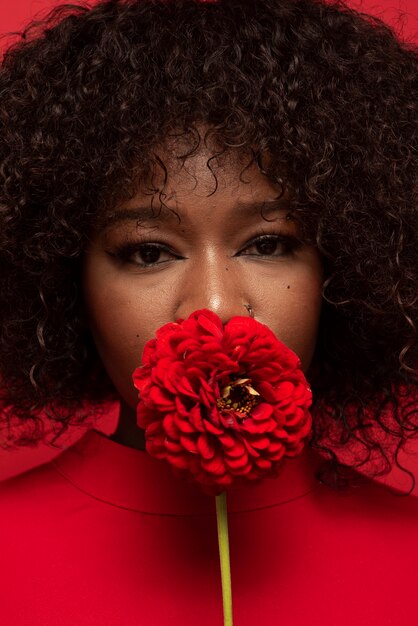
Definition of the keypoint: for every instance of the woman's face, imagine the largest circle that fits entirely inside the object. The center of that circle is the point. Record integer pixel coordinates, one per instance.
(141, 273)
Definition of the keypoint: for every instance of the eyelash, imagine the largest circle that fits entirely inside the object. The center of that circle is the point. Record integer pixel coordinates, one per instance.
(125, 251)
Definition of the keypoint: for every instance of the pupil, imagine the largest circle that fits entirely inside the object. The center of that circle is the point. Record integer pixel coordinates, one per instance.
(267, 247)
(150, 254)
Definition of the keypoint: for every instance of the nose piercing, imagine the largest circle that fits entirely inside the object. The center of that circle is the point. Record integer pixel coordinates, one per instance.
(249, 309)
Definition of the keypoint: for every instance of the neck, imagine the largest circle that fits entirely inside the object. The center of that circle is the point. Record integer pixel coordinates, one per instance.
(128, 432)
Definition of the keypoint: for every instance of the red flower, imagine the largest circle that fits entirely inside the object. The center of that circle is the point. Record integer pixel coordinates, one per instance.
(221, 403)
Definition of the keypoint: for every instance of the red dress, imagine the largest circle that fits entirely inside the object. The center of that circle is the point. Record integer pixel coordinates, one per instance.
(106, 535)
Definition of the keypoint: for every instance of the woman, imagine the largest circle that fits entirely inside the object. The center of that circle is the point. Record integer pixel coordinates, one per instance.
(245, 157)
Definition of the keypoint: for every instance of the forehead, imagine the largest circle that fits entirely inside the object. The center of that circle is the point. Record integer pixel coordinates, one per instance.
(227, 186)
(179, 173)
(206, 171)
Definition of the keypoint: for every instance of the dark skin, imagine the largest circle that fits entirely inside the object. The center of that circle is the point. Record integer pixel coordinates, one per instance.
(222, 256)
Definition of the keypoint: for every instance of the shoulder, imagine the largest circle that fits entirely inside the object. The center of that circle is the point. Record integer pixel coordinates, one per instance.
(35, 499)
(31, 481)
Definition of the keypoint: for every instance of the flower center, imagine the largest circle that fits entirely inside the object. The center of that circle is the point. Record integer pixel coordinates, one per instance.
(239, 396)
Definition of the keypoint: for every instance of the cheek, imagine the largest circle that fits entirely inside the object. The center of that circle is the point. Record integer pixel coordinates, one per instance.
(301, 331)
(297, 312)
(117, 324)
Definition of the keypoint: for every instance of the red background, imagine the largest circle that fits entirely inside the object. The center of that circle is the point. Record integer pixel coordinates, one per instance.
(401, 14)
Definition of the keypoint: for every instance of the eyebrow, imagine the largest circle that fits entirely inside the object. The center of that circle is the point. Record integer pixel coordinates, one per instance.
(167, 214)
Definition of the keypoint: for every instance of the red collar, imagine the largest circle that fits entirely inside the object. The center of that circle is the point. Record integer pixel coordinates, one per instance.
(131, 479)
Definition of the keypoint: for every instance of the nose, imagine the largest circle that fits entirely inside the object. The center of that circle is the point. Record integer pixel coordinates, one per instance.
(213, 283)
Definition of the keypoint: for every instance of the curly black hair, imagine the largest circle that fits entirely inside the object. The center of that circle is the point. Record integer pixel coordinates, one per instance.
(328, 92)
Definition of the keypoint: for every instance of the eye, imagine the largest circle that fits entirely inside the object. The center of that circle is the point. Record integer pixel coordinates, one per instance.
(143, 254)
(149, 254)
(272, 246)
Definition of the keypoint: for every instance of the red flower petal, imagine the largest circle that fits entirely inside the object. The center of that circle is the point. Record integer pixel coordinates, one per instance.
(154, 429)
(262, 412)
(237, 450)
(238, 463)
(184, 386)
(211, 428)
(169, 426)
(227, 441)
(205, 448)
(189, 444)
(161, 398)
(183, 424)
(266, 390)
(178, 460)
(173, 446)
(285, 389)
(251, 451)
(196, 420)
(264, 464)
(211, 326)
(214, 466)
(260, 443)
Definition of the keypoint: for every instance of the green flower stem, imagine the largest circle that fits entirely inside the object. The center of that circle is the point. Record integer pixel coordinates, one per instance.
(222, 519)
